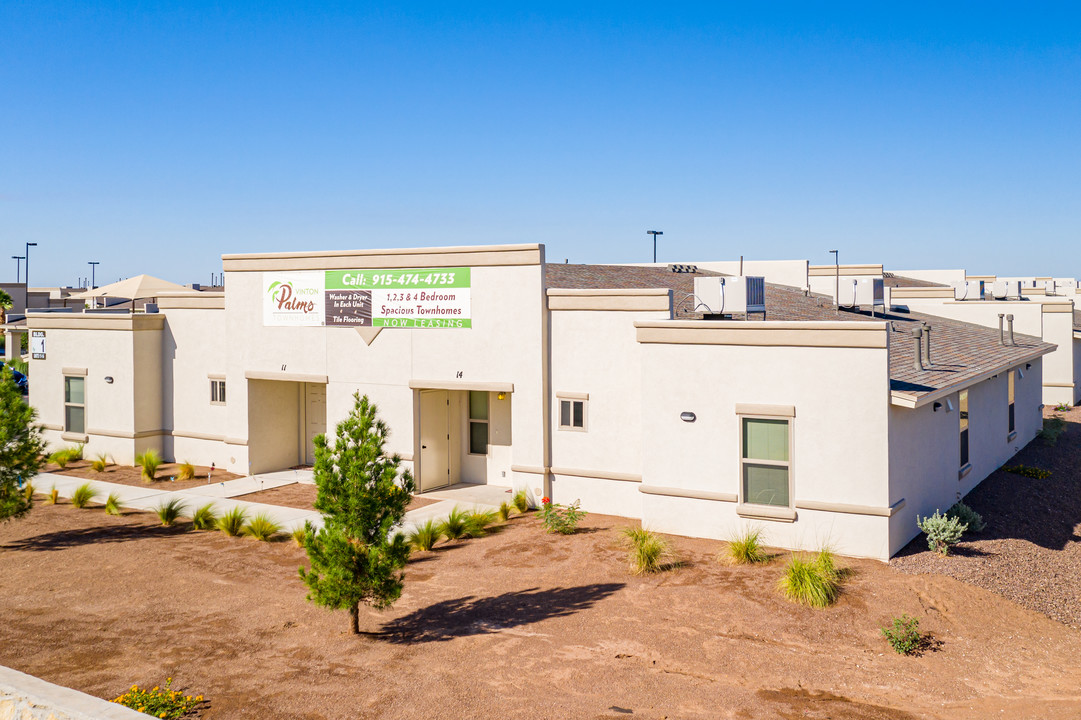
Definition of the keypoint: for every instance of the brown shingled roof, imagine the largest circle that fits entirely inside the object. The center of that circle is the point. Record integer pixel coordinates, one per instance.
(959, 351)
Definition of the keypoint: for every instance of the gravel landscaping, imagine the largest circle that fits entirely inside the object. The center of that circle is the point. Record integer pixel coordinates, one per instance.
(1030, 551)
(129, 475)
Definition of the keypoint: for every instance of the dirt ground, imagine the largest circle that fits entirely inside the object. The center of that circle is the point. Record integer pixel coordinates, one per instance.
(129, 475)
(1030, 551)
(517, 624)
(302, 495)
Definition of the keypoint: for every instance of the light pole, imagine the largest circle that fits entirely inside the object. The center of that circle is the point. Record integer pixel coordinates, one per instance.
(27, 258)
(93, 272)
(836, 279)
(17, 259)
(654, 233)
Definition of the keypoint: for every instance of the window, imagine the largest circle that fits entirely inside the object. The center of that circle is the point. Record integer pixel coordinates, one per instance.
(962, 402)
(572, 413)
(75, 405)
(765, 463)
(217, 392)
(1009, 395)
(478, 423)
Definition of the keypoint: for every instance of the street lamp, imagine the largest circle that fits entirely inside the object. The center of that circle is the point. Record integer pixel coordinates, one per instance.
(836, 279)
(654, 233)
(93, 272)
(27, 258)
(17, 259)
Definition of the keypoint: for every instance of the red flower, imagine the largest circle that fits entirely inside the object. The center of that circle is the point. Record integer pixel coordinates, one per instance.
(545, 501)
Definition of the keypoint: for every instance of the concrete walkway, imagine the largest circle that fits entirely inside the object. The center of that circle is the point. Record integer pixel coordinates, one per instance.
(220, 495)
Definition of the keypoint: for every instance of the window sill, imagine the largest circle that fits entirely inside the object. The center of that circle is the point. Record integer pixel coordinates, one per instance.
(965, 470)
(74, 437)
(1011, 436)
(766, 512)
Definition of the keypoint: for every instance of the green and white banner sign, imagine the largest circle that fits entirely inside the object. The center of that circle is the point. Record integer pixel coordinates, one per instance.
(418, 298)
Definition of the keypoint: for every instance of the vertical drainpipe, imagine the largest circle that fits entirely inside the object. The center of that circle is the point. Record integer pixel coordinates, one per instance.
(917, 359)
(546, 382)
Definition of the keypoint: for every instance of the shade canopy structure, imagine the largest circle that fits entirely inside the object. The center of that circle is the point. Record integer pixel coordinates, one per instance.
(139, 287)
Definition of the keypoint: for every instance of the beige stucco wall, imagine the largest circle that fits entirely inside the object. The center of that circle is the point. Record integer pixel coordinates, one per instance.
(840, 433)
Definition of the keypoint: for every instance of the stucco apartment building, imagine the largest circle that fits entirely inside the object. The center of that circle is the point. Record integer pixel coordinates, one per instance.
(612, 385)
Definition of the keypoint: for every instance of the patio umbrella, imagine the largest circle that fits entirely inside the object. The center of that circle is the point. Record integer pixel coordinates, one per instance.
(139, 287)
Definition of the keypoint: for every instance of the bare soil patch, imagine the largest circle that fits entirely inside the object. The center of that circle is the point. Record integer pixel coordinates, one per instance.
(302, 495)
(1030, 551)
(516, 624)
(129, 475)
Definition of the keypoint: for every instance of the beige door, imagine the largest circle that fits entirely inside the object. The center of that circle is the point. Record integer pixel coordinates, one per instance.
(434, 439)
(315, 404)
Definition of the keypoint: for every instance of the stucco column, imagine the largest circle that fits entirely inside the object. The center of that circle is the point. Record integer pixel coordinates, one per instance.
(13, 343)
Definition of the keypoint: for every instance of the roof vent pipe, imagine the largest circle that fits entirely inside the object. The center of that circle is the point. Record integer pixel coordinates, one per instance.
(927, 345)
(917, 336)
(1001, 332)
(1009, 322)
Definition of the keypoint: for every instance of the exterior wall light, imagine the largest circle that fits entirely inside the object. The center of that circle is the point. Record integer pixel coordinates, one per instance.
(936, 407)
(688, 417)
(109, 379)
(502, 396)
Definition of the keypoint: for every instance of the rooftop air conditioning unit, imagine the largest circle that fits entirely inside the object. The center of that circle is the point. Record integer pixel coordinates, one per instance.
(865, 292)
(968, 290)
(726, 295)
(1006, 289)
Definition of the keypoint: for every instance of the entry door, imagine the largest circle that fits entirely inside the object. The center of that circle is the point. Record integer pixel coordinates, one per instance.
(434, 439)
(315, 404)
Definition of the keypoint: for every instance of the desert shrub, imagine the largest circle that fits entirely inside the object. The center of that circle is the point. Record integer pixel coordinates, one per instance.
(746, 548)
(520, 501)
(204, 517)
(810, 582)
(54, 495)
(647, 552)
(185, 471)
(262, 527)
(1063, 407)
(454, 526)
(1052, 428)
(169, 511)
(424, 537)
(149, 461)
(477, 522)
(1030, 472)
(232, 523)
(83, 495)
(112, 504)
(60, 458)
(28, 491)
(562, 519)
(505, 509)
(942, 531)
(298, 536)
(99, 463)
(903, 635)
(75, 452)
(968, 516)
(160, 702)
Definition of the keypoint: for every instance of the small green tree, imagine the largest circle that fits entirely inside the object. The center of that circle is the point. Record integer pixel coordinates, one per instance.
(21, 447)
(362, 496)
(6, 304)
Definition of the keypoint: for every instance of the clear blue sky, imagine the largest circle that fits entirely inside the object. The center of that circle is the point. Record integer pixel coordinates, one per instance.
(155, 137)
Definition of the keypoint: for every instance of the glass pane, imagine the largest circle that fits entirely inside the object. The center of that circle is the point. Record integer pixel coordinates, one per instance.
(765, 485)
(579, 414)
(74, 390)
(478, 405)
(1010, 391)
(765, 439)
(478, 438)
(964, 448)
(221, 391)
(962, 402)
(74, 419)
(565, 413)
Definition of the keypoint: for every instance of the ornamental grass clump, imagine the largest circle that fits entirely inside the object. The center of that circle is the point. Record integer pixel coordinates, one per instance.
(814, 583)
(298, 535)
(745, 548)
(28, 492)
(204, 517)
(562, 519)
(262, 527)
(160, 702)
(232, 523)
(648, 553)
(99, 463)
(521, 501)
(903, 635)
(169, 511)
(149, 461)
(505, 509)
(1052, 428)
(83, 495)
(112, 505)
(478, 521)
(972, 519)
(455, 525)
(54, 496)
(424, 537)
(59, 458)
(185, 471)
(942, 531)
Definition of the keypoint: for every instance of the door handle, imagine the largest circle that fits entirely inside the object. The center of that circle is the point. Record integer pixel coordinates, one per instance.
(423, 447)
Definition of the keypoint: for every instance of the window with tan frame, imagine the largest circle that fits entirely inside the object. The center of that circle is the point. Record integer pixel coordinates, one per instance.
(766, 457)
(75, 404)
(572, 411)
(217, 391)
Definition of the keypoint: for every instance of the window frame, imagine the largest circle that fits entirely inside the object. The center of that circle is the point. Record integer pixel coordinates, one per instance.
(745, 509)
(572, 398)
(471, 421)
(217, 398)
(1011, 397)
(67, 404)
(964, 425)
